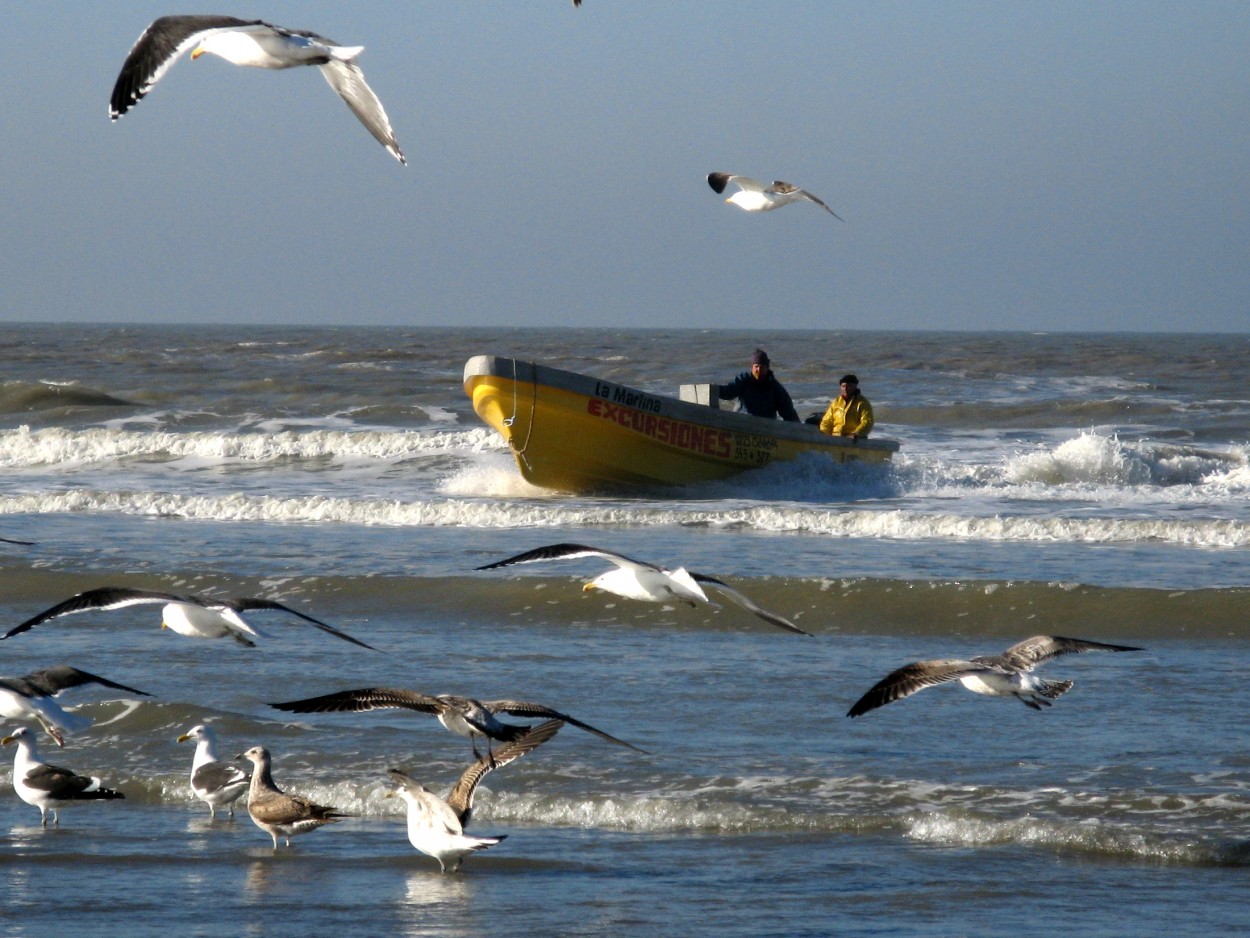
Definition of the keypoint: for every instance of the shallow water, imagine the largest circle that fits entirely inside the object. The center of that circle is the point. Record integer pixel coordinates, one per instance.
(1084, 485)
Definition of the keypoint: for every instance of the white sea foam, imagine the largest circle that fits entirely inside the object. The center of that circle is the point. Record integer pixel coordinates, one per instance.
(554, 512)
(25, 448)
(1087, 836)
(1101, 459)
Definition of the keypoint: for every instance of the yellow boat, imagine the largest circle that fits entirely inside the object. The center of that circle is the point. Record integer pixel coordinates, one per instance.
(578, 433)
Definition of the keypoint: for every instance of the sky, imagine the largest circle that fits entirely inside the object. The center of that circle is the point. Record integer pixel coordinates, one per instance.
(1052, 166)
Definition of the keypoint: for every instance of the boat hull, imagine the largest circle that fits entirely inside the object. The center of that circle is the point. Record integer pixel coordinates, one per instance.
(578, 433)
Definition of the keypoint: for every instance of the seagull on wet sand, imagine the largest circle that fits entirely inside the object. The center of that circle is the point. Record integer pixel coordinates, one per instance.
(436, 826)
(754, 196)
(463, 716)
(216, 783)
(1005, 675)
(30, 697)
(274, 811)
(49, 787)
(636, 579)
(186, 615)
(253, 43)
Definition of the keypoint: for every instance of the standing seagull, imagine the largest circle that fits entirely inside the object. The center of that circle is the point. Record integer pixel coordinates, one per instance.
(30, 696)
(463, 716)
(1005, 675)
(635, 579)
(186, 615)
(436, 827)
(214, 782)
(48, 787)
(254, 43)
(274, 811)
(754, 196)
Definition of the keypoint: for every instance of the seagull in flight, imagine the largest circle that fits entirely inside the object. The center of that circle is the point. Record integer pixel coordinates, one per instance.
(253, 43)
(636, 579)
(30, 697)
(463, 716)
(187, 615)
(436, 826)
(754, 196)
(1006, 675)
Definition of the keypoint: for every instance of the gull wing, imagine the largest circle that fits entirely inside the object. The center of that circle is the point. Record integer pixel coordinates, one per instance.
(366, 698)
(718, 181)
(104, 598)
(460, 799)
(786, 188)
(1026, 655)
(51, 681)
(523, 708)
(63, 784)
(249, 605)
(214, 776)
(911, 678)
(155, 52)
(278, 808)
(735, 596)
(569, 552)
(349, 83)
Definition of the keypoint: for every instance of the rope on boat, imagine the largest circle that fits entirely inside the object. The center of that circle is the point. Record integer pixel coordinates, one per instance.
(510, 421)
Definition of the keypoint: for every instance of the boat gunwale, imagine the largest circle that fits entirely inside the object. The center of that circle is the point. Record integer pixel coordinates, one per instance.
(528, 372)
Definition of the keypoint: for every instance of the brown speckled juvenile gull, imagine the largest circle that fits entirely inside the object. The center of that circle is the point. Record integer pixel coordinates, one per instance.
(1005, 675)
(463, 716)
(274, 811)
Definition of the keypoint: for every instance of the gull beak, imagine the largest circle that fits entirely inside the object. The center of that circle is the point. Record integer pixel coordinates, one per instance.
(7, 740)
(199, 50)
(588, 587)
(56, 735)
(183, 738)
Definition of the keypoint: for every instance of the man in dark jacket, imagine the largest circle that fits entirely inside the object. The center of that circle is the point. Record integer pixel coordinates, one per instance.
(759, 391)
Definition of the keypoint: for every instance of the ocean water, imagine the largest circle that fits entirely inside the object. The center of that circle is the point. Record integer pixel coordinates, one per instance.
(1088, 485)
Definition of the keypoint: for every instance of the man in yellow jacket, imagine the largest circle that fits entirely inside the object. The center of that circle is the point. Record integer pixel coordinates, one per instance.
(849, 413)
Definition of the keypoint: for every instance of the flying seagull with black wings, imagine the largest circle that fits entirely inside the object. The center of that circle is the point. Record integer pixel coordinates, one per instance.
(637, 579)
(192, 616)
(252, 43)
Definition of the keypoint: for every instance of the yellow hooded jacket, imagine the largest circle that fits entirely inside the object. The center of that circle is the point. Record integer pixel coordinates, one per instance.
(846, 417)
